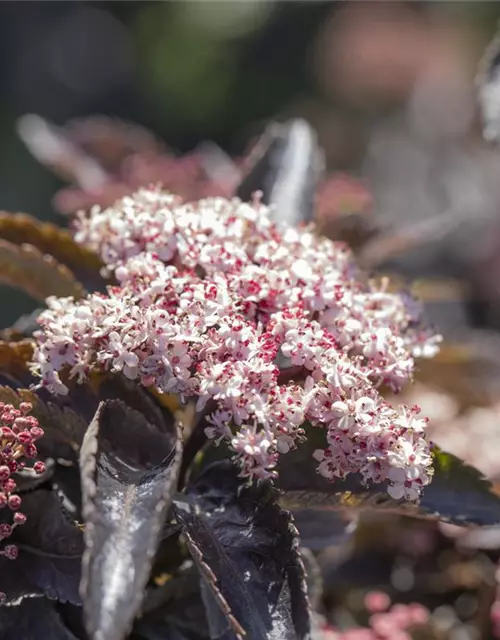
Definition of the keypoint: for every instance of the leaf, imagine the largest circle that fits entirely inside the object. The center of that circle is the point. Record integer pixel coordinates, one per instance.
(458, 493)
(65, 418)
(33, 619)
(174, 610)
(50, 551)
(129, 470)
(285, 165)
(246, 549)
(14, 359)
(488, 85)
(20, 228)
(321, 529)
(218, 166)
(317, 528)
(314, 579)
(151, 405)
(66, 484)
(72, 617)
(28, 480)
(107, 141)
(38, 275)
(23, 327)
(63, 428)
(51, 146)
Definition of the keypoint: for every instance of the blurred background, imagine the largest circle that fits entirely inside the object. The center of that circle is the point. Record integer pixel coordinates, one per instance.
(193, 71)
(410, 183)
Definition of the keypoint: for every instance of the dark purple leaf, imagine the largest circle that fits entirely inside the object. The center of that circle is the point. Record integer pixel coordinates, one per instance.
(129, 471)
(174, 610)
(66, 483)
(314, 579)
(50, 551)
(246, 549)
(458, 493)
(33, 619)
(72, 617)
(287, 164)
(320, 529)
(317, 528)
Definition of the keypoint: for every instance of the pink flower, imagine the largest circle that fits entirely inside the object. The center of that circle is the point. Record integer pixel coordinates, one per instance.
(270, 329)
(18, 434)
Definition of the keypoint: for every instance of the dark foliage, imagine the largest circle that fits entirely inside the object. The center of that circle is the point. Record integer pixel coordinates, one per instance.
(246, 548)
(129, 470)
(135, 530)
(50, 552)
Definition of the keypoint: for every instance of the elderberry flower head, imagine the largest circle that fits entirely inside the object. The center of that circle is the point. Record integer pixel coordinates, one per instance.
(267, 329)
(18, 433)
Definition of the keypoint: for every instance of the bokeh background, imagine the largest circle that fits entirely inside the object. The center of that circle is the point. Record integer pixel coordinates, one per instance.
(192, 71)
(390, 89)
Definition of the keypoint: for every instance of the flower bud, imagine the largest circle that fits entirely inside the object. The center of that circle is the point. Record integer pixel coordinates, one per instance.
(14, 502)
(19, 518)
(10, 551)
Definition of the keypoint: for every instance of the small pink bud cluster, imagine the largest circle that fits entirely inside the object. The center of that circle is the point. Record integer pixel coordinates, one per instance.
(267, 329)
(386, 622)
(18, 434)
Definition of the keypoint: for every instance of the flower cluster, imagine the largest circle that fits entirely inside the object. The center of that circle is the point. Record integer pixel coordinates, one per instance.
(267, 329)
(18, 434)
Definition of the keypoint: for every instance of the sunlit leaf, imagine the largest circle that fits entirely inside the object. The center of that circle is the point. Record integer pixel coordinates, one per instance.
(218, 166)
(129, 473)
(246, 549)
(38, 275)
(488, 84)
(285, 166)
(52, 147)
(111, 140)
(20, 228)
(14, 359)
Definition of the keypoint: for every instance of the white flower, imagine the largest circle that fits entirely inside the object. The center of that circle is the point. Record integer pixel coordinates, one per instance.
(212, 299)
